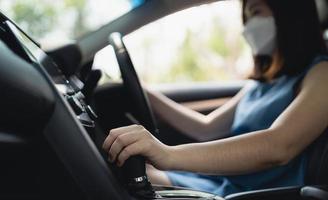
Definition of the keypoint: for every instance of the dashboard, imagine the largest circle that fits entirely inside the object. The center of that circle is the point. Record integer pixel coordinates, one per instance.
(70, 88)
(46, 128)
(55, 107)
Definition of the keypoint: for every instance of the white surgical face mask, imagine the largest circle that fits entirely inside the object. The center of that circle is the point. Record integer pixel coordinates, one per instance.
(260, 33)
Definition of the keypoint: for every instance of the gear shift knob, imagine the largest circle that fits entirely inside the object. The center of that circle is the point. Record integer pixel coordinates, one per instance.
(134, 172)
(134, 169)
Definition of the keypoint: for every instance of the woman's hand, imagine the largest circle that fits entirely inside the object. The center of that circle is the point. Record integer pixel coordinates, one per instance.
(121, 143)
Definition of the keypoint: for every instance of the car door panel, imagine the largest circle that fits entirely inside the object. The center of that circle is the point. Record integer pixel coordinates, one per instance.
(204, 97)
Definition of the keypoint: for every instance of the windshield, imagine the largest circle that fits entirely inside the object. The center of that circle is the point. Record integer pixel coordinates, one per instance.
(54, 23)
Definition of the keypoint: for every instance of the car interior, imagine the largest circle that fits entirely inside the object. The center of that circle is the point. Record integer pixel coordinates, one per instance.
(55, 117)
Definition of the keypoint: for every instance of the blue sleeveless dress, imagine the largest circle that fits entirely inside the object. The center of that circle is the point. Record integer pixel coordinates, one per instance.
(257, 110)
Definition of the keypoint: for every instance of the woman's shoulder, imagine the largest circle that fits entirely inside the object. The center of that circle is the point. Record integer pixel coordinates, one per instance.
(319, 70)
(318, 74)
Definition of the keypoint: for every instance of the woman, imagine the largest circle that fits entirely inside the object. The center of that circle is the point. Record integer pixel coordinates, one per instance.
(267, 126)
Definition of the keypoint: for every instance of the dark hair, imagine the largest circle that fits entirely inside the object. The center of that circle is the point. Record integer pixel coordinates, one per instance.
(299, 39)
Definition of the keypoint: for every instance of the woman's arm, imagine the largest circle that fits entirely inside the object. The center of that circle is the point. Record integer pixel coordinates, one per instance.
(297, 127)
(198, 126)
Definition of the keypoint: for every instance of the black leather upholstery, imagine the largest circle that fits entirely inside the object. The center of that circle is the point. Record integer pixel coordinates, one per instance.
(68, 58)
(317, 172)
(322, 6)
(26, 99)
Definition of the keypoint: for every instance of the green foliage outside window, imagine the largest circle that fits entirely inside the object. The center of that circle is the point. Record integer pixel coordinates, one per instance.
(194, 58)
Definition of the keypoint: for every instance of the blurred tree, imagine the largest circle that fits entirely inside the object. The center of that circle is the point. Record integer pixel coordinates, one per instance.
(186, 66)
(30, 14)
(79, 7)
(227, 44)
(198, 58)
(38, 18)
(217, 39)
(147, 44)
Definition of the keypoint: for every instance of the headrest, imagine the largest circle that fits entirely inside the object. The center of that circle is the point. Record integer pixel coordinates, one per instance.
(322, 6)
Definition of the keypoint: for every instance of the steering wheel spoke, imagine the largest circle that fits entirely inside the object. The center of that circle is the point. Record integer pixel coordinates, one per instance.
(141, 108)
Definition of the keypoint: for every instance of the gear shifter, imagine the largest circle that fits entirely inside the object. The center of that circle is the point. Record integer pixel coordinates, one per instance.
(136, 179)
(135, 176)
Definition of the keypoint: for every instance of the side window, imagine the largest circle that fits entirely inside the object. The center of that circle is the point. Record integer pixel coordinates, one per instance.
(199, 44)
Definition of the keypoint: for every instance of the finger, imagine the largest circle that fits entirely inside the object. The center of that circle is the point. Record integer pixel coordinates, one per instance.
(131, 150)
(126, 128)
(114, 133)
(121, 142)
(109, 141)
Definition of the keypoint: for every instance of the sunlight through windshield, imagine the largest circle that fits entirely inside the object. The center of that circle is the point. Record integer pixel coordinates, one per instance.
(54, 23)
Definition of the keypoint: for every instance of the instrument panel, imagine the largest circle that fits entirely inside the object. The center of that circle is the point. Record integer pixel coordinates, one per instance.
(69, 87)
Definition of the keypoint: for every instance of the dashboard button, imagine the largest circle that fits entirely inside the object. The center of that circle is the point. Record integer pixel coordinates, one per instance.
(91, 113)
(75, 104)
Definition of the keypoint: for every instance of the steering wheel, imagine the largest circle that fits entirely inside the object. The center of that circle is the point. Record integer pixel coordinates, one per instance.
(134, 167)
(137, 95)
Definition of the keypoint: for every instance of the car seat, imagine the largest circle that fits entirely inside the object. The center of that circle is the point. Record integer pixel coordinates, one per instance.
(317, 171)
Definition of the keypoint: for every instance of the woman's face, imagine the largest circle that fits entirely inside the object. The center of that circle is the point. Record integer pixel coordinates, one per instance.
(257, 8)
